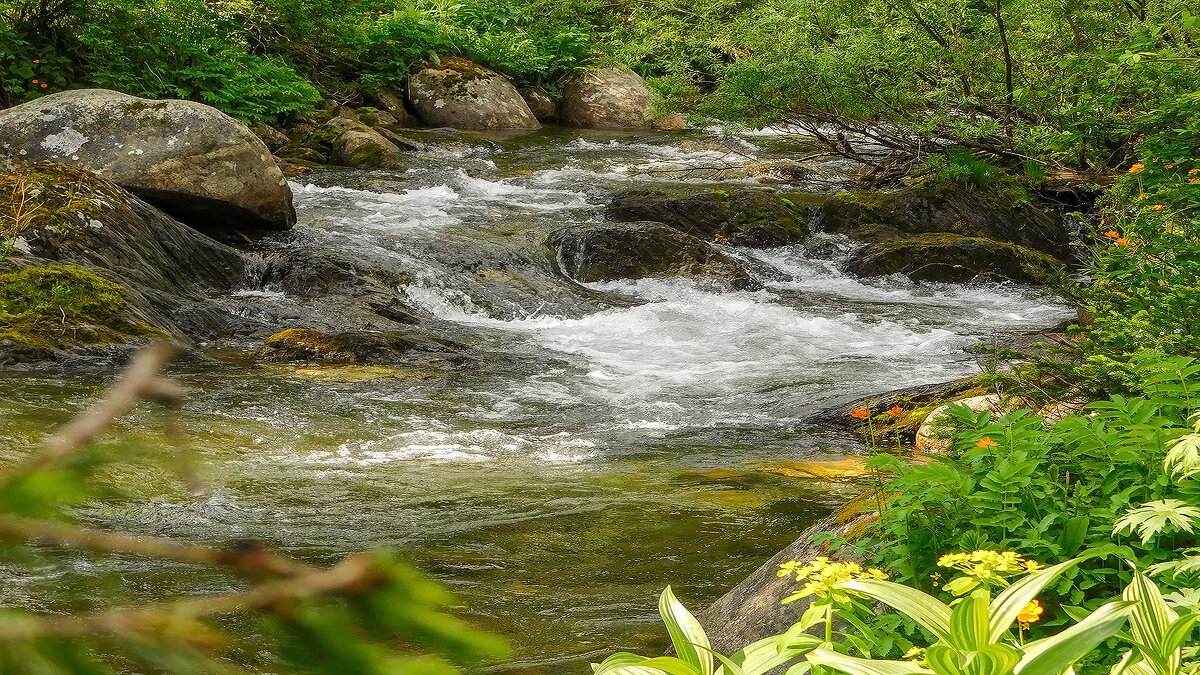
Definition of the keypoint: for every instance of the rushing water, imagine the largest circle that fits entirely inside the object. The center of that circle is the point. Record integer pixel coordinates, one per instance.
(608, 449)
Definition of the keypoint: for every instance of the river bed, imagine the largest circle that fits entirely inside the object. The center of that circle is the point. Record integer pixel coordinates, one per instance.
(608, 449)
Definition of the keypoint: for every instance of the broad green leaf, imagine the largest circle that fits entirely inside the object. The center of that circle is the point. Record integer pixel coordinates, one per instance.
(1056, 653)
(856, 666)
(688, 637)
(1005, 608)
(920, 607)
(656, 666)
(1151, 620)
(769, 653)
(944, 659)
(1178, 633)
(997, 659)
(1073, 534)
(969, 622)
(1153, 517)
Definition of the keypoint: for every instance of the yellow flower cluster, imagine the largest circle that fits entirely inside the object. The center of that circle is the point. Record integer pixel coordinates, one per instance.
(822, 574)
(989, 566)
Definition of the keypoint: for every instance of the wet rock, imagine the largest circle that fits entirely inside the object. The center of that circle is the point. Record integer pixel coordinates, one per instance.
(464, 95)
(951, 209)
(636, 250)
(753, 609)
(611, 98)
(540, 104)
(189, 159)
(377, 118)
(394, 105)
(162, 270)
(924, 396)
(738, 217)
(360, 347)
(348, 142)
(672, 122)
(273, 138)
(365, 148)
(956, 259)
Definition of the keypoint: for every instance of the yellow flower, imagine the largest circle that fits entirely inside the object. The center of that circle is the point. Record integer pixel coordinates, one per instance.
(989, 566)
(821, 574)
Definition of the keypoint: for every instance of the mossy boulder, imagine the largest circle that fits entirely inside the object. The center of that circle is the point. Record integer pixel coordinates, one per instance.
(346, 141)
(461, 94)
(955, 259)
(610, 251)
(361, 348)
(57, 217)
(189, 159)
(739, 217)
(53, 307)
(540, 104)
(1004, 214)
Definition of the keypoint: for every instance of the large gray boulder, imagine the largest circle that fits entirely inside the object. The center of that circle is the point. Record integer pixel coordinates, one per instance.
(612, 98)
(189, 159)
(464, 95)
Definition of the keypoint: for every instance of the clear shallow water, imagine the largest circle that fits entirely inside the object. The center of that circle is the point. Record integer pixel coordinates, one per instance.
(607, 449)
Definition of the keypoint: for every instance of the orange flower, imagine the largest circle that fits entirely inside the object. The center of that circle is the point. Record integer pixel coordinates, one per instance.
(1136, 167)
(1157, 207)
(1032, 613)
(37, 60)
(1121, 242)
(1170, 166)
(860, 413)
(43, 86)
(1189, 172)
(1143, 196)
(986, 442)
(389, 42)
(896, 411)
(1112, 234)
(35, 81)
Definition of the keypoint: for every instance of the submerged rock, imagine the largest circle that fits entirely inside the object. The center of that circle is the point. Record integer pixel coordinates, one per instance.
(189, 159)
(360, 347)
(956, 259)
(636, 250)
(739, 217)
(464, 95)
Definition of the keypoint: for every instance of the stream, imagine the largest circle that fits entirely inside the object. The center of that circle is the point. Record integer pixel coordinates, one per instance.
(620, 438)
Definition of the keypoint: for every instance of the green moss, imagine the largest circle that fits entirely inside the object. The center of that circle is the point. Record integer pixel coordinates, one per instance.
(57, 305)
(52, 196)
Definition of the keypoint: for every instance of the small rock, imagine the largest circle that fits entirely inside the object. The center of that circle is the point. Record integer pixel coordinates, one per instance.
(272, 137)
(540, 104)
(933, 437)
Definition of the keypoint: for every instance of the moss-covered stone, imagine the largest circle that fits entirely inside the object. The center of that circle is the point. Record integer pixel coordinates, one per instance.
(1002, 214)
(53, 196)
(360, 347)
(56, 306)
(956, 259)
(637, 250)
(738, 217)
